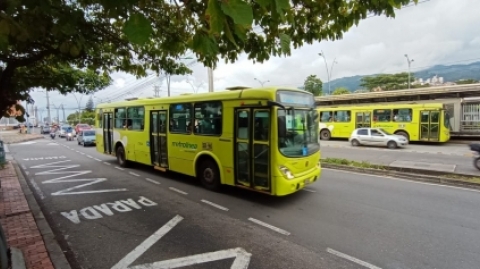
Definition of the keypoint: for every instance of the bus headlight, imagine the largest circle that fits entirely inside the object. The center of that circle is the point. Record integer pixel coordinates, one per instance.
(286, 172)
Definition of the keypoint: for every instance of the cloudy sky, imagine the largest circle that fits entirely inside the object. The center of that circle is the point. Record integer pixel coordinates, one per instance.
(433, 32)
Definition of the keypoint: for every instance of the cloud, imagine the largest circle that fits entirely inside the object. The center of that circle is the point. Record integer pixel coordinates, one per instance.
(432, 32)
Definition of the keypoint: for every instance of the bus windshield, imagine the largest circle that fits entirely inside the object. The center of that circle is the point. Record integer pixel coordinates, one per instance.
(297, 132)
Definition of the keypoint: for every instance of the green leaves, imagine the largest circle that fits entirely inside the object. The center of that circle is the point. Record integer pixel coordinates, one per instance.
(239, 11)
(138, 29)
(285, 41)
(215, 16)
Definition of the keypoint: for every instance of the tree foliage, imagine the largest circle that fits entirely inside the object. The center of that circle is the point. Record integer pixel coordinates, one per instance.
(387, 82)
(340, 90)
(50, 43)
(466, 81)
(89, 106)
(85, 116)
(313, 84)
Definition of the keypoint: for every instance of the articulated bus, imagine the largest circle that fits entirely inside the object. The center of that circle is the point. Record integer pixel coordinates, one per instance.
(417, 122)
(264, 139)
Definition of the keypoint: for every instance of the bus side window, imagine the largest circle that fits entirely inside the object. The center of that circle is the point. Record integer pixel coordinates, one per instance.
(382, 115)
(208, 118)
(325, 116)
(180, 117)
(120, 117)
(135, 118)
(342, 116)
(402, 115)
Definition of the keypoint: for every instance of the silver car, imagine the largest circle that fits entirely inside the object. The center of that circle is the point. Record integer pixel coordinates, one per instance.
(86, 137)
(376, 137)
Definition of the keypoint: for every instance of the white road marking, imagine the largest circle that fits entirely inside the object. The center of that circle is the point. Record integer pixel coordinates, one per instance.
(352, 259)
(37, 188)
(308, 190)
(134, 174)
(152, 180)
(77, 151)
(106, 163)
(404, 180)
(98, 160)
(88, 156)
(82, 153)
(145, 245)
(264, 224)
(24, 167)
(215, 205)
(177, 190)
(119, 168)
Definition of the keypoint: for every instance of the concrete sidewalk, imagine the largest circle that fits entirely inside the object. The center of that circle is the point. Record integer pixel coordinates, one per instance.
(18, 222)
(16, 137)
(448, 159)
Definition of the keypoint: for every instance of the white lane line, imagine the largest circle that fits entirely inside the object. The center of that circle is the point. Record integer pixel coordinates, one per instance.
(82, 153)
(404, 180)
(24, 167)
(119, 168)
(264, 224)
(152, 180)
(98, 160)
(133, 174)
(145, 245)
(215, 205)
(27, 173)
(88, 156)
(77, 151)
(177, 190)
(309, 190)
(106, 163)
(352, 259)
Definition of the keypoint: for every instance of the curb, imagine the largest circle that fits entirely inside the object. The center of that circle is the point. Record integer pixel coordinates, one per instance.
(18, 260)
(55, 252)
(24, 140)
(410, 174)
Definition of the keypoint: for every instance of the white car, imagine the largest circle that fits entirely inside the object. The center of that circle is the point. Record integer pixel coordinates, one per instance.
(376, 137)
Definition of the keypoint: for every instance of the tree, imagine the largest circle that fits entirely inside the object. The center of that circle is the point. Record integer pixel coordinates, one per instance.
(466, 81)
(387, 82)
(46, 43)
(340, 90)
(89, 106)
(313, 84)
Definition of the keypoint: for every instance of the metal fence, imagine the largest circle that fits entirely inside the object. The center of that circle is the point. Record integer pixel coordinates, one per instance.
(4, 121)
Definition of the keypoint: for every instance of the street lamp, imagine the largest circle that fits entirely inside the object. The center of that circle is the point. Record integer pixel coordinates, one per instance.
(261, 82)
(329, 72)
(409, 61)
(78, 103)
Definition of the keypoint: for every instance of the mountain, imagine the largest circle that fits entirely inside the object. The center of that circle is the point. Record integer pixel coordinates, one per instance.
(450, 73)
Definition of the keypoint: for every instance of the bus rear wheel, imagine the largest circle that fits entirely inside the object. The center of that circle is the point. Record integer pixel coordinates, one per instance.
(325, 135)
(209, 175)
(404, 134)
(122, 160)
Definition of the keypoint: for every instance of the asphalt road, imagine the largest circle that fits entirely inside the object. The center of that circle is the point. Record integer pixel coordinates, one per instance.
(384, 222)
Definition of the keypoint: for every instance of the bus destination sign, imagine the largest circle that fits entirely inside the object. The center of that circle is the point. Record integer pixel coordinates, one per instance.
(295, 98)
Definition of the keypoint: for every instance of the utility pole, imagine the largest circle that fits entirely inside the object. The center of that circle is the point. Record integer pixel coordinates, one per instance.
(63, 110)
(409, 61)
(168, 85)
(261, 82)
(329, 72)
(48, 108)
(210, 79)
(156, 91)
(28, 116)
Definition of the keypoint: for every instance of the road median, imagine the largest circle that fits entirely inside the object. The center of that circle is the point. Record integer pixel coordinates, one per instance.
(15, 137)
(415, 174)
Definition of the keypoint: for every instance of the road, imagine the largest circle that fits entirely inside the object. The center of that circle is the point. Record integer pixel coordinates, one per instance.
(384, 222)
(458, 157)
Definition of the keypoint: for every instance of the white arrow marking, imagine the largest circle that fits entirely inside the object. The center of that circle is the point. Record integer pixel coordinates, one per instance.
(242, 258)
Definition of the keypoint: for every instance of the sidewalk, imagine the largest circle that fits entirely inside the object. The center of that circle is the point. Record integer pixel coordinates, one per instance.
(18, 222)
(11, 137)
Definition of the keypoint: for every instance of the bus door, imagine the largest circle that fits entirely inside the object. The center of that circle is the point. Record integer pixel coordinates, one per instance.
(252, 148)
(108, 132)
(430, 125)
(362, 119)
(158, 139)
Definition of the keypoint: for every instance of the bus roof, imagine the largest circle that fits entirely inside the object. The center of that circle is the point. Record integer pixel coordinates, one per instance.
(383, 105)
(230, 94)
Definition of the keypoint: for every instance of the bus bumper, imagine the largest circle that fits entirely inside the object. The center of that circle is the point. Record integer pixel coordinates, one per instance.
(289, 186)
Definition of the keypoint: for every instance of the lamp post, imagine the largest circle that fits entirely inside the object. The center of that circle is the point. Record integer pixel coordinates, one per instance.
(329, 72)
(261, 82)
(168, 77)
(409, 61)
(79, 108)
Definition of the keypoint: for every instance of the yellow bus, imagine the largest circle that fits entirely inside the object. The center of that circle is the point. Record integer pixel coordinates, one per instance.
(427, 122)
(263, 139)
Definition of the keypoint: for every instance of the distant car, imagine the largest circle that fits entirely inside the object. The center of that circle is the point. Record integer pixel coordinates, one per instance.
(64, 129)
(86, 138)
(376, 137)
(46, 129)
(81, 127)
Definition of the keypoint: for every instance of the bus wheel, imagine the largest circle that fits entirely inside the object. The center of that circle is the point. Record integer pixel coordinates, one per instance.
(122, 160)
(209, 175)
(325, 134)
(403, 134)
(392, 145)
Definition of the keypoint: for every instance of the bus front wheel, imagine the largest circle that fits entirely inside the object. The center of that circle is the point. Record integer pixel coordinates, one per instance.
(209, 174)
(122, 160)
(403, 134)
(325, 134)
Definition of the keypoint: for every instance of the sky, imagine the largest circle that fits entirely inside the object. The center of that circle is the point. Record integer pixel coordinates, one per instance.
(432, 32)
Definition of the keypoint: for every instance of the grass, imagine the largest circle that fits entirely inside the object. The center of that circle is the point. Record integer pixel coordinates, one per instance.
(471, 179)
(346, 162)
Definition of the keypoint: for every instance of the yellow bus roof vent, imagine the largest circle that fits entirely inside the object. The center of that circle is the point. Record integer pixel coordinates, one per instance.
(131, 98)
(186, 93)
(236, 88)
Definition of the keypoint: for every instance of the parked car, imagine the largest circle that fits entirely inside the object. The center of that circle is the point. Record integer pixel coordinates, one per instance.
(86, 137)
(82, 126)
(376, 137)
